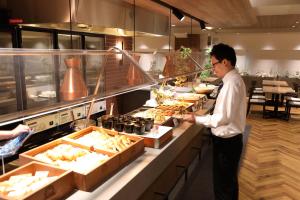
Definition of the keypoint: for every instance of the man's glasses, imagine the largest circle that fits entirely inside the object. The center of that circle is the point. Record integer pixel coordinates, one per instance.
(213, 64)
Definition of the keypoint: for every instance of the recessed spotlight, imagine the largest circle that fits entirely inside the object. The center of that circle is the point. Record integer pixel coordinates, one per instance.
(202, 25)
(220, 28)
(297, 22)
(173, 25)
(209, 27)
(178, 14)
(293, 26)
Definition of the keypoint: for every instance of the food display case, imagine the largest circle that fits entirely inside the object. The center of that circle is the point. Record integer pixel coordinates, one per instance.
(61, 95)
(37, 81)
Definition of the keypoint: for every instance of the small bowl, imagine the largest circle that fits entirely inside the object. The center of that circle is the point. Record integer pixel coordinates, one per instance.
(119, 126)
(128, 128)
(151, 120)
(108, 124)
(139, 129)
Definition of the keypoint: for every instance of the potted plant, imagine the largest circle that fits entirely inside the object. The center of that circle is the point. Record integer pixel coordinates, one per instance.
(207, 66)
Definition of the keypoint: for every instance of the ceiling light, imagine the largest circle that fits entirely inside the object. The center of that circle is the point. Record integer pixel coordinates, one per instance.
(209, 28)
(202, 24)
(220, 28)
(178, 14)
(293, 26)
(297, 22)
(173, 25)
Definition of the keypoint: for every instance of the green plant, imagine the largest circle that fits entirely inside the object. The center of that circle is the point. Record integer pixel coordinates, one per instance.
(207, 66)
(185, 52)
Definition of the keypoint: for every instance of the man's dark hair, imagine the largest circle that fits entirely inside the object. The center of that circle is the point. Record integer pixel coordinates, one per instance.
(223, 51)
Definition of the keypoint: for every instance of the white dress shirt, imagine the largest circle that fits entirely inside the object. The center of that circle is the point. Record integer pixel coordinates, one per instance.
(229, 116)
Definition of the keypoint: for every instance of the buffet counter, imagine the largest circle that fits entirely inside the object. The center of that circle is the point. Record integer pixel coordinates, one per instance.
(133, 180)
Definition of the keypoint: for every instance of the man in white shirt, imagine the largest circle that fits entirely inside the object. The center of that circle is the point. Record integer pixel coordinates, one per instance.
(227, 123)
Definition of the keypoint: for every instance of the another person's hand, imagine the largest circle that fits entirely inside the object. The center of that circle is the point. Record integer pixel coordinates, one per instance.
(20, 129)
(189, 118)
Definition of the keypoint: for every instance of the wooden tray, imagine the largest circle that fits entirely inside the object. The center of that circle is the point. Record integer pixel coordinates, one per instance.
(186, 105)
(83, 181)
(125, 156)
(56, 189)
(157, 137)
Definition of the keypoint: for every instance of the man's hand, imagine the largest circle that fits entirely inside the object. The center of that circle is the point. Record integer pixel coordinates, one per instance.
(20, 129)
(189, 118)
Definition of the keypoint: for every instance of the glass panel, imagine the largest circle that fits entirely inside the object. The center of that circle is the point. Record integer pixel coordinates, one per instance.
(8, 101)
(117, 73)
(94, 43)
(163, 66)
(7, 78)
(64, 42)
(5, 40)
(39, 70)
(93, 62)
(36, 40)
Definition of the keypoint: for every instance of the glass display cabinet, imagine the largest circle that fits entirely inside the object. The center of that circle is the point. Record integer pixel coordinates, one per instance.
(40, 81)
(35, 81)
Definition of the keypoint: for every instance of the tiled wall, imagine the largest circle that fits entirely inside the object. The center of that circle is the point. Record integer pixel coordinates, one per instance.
(115, 74)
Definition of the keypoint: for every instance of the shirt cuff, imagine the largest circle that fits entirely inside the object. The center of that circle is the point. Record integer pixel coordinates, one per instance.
(201, 119)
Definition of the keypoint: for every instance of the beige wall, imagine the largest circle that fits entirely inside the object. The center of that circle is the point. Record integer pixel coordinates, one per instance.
(265, 53)
(150, 44)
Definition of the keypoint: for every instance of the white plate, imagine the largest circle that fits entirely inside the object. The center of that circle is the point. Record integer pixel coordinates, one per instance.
(183, 89)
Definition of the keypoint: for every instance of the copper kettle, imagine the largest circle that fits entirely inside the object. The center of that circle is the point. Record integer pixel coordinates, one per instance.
(134, 75)
(73, 85)
(169, 68)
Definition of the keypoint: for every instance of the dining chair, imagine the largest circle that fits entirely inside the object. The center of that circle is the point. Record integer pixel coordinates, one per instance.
(291, 102)
(256, 90)
(256, 99)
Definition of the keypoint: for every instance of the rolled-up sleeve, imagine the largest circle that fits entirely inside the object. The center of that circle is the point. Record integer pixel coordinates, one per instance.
(225, 108)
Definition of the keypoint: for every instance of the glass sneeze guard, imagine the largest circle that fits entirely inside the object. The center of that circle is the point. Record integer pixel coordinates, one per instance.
(38, 78)
(168, 65)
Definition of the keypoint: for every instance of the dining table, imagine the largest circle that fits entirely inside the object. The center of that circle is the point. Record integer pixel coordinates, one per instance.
(276, 91)
(275, 83)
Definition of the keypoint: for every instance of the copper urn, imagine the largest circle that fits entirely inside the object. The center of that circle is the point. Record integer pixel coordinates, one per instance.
(169, 70)
(73, 85)
(134, 75)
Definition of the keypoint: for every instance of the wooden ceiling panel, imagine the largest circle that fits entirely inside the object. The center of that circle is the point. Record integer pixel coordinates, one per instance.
(278, 21)
(229, 13)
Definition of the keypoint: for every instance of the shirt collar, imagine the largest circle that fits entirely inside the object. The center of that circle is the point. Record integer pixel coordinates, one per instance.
(228, 75)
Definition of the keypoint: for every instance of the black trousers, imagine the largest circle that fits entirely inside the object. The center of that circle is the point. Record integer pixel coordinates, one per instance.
(226, 157)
